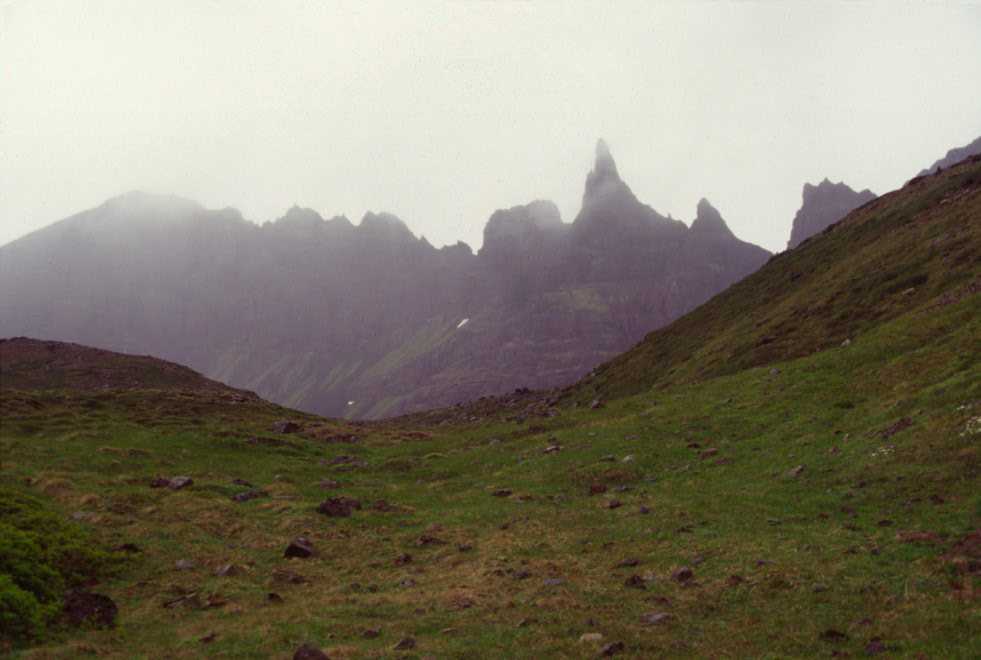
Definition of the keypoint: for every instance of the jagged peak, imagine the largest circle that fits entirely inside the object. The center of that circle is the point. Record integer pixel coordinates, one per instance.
(604, 176)
(386, 224)
(708, 219)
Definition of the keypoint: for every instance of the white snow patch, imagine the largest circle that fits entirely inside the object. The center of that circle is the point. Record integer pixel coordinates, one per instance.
(462, 323)
(350, 403)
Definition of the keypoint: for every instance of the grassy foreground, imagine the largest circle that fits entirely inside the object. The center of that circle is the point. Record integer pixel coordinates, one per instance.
(822, 504)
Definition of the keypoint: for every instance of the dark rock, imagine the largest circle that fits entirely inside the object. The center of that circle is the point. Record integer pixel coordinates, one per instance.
(875, 647)
(227, 570)
(635, 582)
(611, 649)
(403, 560)
(247, 495)
(338, 507)
(613, 504)
(207, 639)
(299, 547)
(371, 633)
(405, 644)
(329, 484)
(654, 618)
(284, 576)
(130, 548)
(180, 482)
(822, 206)
(284, 426)
(309, 652)
(683, 574)
(896, 427)
(501, 492)
(628, 563)
(85, 607)
(735, 580)
(834, 636)
(242, 482)
(428, 539)
(273, 598)
(597, 489)
(708, 453)
(521, 574)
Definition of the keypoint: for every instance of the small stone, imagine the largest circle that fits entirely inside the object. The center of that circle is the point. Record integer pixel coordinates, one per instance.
(708, 453)
(834, 636)
(627, 459)
(820, 588)
(226, 570)
(595, 404)
(644, 510)
(180, 482)
(613, 504)
(683, 574)
(371, 633)
(795, 472)
(611, 649)
(403, 559)
(590, 638)
(554, 582)
(635, 582)
(735, 580)
(405, 644)
(283, 576)
(875, 647)
(501, 492)
(552, 449)
(299, 547)
(654, 618)
(210, 637)
(247, 495)
(338, 507)
(184, 564)
(597, 489)
(309, 652)
(273, 598)
(284, 426)
(628, 563)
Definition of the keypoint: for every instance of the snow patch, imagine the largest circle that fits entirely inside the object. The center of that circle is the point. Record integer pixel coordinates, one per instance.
(462, 323)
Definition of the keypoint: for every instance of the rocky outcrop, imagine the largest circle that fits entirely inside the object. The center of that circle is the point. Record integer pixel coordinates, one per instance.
(822, 206)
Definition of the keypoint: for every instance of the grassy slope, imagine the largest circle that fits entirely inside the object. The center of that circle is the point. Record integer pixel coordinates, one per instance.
(892, 255)
(828, 549)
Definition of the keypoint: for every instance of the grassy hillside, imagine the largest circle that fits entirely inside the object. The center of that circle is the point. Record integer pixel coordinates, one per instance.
(803, 496)
(887, 258)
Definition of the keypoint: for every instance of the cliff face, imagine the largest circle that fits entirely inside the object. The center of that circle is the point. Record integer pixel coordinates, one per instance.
(368, 320)
(822, 206)
(954, 156)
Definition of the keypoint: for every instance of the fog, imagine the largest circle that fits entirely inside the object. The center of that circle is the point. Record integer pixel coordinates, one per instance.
(443, 112)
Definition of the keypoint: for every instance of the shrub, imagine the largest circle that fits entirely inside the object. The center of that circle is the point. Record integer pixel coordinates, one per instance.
(20, 613)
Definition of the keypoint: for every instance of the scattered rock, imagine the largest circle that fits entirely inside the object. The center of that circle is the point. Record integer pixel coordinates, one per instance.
(551, 449)
(184, 564)
(613, 504)
(210, 637)
(611, 649)
(227, 570)
(885, 523)
(628, 563)
(875, 647)
(910, 536)
(501, 492)
(242, 482)
(832, 635)
(85, 607)
(130, 548)
(597, 489)
(554, 582)
(338, 507)
(644, 510)
(464, 547)
(299, 547)
(273, 598)
(654, 618)
(405, 644)
(708, 453)
(309, 652)
(371, 633)
(329, 484)
(820, 588)
(284, 426)
(403, 560)
(635, 582)
(590, 638)
(428, 539)
(795, 472)
(284, 576)
(896, 427)
(683, 574)
(247, 495)
(595, 404)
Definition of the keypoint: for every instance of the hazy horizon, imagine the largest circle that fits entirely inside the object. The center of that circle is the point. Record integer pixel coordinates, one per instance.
(441, 112)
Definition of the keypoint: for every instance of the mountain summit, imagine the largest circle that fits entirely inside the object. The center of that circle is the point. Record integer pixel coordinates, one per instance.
(822, 206)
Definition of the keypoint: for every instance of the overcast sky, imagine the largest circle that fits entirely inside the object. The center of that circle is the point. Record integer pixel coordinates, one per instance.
(442, 112)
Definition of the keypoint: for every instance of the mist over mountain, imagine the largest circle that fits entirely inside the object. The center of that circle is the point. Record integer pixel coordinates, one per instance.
(369, 320)
(822, 206)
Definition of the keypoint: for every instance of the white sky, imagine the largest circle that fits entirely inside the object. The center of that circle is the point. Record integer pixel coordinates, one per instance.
(443, 112)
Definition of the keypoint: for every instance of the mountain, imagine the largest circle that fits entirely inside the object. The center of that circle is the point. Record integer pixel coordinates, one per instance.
(954, 156)
(822, 206)
(369, 320)
(789, 470)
